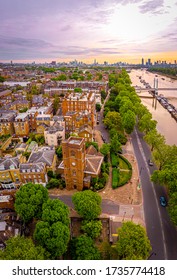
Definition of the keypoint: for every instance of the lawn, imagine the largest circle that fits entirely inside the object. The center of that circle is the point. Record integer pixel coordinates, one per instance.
(123, 164)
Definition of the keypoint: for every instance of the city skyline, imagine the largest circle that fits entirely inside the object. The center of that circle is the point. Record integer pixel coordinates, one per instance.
(115, 30)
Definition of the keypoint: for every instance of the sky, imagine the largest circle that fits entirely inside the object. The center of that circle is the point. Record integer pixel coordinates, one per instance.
(85, 30)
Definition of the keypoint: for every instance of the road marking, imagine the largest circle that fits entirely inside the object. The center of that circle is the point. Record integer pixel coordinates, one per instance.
(153, 189)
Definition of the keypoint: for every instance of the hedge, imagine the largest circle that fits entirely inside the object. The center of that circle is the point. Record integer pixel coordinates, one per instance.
(114, 160)
(115, 178)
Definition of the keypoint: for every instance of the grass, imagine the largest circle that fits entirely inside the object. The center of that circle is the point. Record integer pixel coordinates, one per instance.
(123, 164)
(122, 175)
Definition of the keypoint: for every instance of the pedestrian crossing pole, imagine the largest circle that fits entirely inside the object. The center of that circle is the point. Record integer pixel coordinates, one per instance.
(138, 184)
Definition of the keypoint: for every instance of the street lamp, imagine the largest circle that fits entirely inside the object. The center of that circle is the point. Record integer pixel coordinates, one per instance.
(153, 253)
(124, 216)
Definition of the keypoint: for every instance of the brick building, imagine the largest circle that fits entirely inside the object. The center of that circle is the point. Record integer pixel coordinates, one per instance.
(79, 165)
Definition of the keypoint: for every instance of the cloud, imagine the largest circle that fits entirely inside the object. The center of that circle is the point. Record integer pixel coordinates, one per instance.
(154, 6)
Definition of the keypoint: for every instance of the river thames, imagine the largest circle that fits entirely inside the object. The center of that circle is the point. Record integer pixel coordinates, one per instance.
(166, 125)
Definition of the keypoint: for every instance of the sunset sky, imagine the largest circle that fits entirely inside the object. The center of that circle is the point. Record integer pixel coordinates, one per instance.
(111, 30)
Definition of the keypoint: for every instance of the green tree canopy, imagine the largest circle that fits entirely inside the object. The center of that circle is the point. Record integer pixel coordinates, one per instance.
(92, 228)
(84, 249)
(133, 243)
(54, 238)
(53, 183)
(172, 207)
(94, 144)
(29, 200)
(113, 120)
(115, 144)
(129, 121)
(154, 139)
(105, 149)
(87, 204)
(167, 176)
(98, 107)
(165, 155)
(54, 210)
(58, 152)
(146, 123)
(2, 79)
(21, 248)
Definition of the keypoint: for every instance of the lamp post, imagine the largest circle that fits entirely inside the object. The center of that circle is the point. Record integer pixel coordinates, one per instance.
(124, 216)
(153, 253)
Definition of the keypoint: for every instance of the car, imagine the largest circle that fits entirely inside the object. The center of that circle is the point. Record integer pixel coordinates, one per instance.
(150, 163)
(163, 201)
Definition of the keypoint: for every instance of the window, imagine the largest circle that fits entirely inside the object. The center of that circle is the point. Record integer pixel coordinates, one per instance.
(73, 153)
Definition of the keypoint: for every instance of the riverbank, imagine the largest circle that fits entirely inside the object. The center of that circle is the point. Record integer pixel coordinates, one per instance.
(163, 74)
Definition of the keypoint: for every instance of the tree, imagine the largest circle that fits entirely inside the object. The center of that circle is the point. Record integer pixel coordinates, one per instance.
(29, 200)
(125, 106)
(85, 249)
(172, 207)
(92, 228)
(133, 243)
(62, 77)
(98, 107)
(107, 251)
(167, 176)
(146, 123)
(105, 149)
(165, 155)
(21, 248)
(154, 139)
(129, 120)
(2, 79)
(115, 144)
(87, 204)
(54, 210)
(78, 90)
(113, 120)
(58, 152)
(53, 183)
(94, 144)
(40, 139)
(54, 238)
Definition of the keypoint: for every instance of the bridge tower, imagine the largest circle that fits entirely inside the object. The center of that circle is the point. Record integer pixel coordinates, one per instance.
(156, 86)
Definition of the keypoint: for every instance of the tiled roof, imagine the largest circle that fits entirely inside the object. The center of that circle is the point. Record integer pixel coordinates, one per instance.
(86, 128)
(93, 164)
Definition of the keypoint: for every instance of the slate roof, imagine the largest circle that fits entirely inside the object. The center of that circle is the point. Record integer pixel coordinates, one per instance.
(45, 155)
(8, 162)
(32, 167)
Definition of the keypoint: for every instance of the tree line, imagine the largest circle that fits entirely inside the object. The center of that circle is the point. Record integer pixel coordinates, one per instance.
(50, 237)
(124, 110)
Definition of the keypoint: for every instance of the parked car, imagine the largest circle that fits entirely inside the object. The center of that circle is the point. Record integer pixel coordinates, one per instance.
(163, 201)
(150, 163)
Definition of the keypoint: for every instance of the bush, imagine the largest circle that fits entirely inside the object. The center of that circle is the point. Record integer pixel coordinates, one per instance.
(115, 178)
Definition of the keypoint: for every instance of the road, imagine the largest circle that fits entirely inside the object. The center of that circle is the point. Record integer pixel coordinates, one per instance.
(160, 230)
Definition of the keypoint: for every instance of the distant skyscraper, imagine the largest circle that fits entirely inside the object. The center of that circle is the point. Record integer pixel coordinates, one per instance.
(142, 63)
(149, 61)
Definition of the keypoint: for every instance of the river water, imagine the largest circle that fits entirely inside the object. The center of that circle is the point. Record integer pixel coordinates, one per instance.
(166, 125)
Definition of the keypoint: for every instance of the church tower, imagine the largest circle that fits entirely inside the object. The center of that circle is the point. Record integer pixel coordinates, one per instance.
(74, 162)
